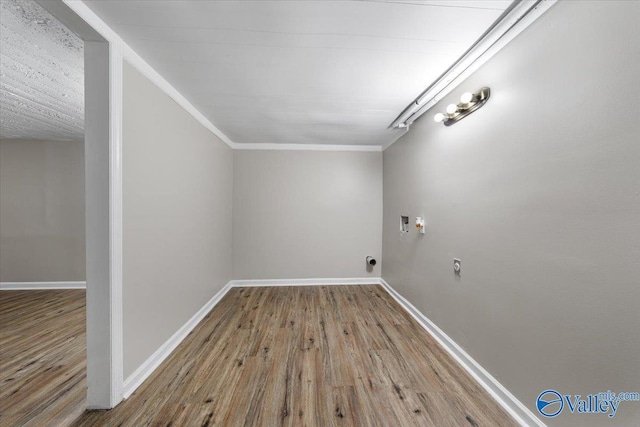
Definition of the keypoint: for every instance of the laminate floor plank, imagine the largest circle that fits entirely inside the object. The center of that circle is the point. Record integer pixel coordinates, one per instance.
(42, 357)
(266, 356)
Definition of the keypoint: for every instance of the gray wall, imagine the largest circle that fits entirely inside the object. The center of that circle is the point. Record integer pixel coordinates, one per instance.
(306, 214)
(41, 211)
(538, 193)
(177, 217)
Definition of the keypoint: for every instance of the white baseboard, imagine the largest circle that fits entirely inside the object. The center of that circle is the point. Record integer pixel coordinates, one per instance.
(36, 286)
(306, 282)
(501, 395)
(146, 369)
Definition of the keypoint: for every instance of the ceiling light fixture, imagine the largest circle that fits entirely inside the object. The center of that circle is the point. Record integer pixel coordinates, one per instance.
(467, 98)
(438, 117)
(469, 102)
(519, 15)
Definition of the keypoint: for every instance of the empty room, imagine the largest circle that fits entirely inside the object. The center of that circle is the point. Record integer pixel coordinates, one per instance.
(319, 213)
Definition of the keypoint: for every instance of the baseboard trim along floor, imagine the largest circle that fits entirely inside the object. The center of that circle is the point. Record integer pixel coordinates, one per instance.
(35, 286)
(142, 373)
(306, 282)
(146, 369)
(501, 395)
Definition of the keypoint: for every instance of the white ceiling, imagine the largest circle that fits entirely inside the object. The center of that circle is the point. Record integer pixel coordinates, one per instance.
(301, 72)
(41, 75)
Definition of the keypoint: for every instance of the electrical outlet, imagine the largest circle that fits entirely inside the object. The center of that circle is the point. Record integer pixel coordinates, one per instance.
(404, 224)
(457, 266)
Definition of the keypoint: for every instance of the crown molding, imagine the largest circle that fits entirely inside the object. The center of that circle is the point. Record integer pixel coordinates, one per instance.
(131, 56)
(149, 72)
(305, 147)
(482, 54)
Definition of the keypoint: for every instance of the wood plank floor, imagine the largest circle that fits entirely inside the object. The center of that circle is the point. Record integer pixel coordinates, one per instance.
(42, 357)
(306, 356)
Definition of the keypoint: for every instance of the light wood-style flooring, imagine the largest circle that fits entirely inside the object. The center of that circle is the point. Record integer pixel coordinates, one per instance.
(306, 356)
(42, 357)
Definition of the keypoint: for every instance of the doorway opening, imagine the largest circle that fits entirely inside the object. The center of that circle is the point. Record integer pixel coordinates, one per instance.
(61, 101)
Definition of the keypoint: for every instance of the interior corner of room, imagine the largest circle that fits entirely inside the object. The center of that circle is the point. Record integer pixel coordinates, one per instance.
(426, 209)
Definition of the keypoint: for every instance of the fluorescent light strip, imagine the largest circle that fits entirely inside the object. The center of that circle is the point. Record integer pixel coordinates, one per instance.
(511, 23)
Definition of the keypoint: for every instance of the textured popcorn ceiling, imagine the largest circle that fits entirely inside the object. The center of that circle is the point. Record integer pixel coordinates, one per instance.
(41, 75)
